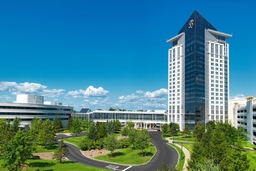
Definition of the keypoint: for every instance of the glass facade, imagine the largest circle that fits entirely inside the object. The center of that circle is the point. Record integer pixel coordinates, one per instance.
(204, 73)
(195, 67)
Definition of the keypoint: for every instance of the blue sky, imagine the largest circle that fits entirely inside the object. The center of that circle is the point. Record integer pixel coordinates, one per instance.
(102, 54)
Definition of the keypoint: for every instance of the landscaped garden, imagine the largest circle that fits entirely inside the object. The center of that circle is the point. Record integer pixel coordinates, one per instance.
(126, 146)
(214, 146)
(21, 150)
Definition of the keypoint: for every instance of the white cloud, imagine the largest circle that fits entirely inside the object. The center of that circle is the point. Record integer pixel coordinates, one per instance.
(52, 92)
(147, 100)
(139, 92)
(89, 92)
(29, 88)
(128, 98)
(156, 94)
(237, 97)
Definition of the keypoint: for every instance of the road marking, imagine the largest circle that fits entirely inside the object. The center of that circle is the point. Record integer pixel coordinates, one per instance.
(127, 168)
(112, 167)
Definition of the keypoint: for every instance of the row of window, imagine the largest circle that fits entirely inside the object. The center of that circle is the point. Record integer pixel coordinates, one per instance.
(219, 60)
(24, 114)
(32, 108)
(161, 117)
(244, 111)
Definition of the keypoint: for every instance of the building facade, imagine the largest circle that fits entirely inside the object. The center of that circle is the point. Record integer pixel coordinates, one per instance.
(27, 107)
(245, 116)
(198, 74)
(142, 119)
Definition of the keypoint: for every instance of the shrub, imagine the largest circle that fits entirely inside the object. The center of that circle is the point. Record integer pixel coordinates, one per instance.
(123, 143)
(86, 144)
(99, 144)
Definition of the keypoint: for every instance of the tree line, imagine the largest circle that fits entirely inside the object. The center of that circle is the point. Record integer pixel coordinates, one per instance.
(17, 145)
(101, 135)
(218, 147)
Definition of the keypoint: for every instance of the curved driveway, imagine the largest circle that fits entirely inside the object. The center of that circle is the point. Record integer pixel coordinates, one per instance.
(165, 154)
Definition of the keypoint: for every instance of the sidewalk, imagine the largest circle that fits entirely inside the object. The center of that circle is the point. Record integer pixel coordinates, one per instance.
(185, 151)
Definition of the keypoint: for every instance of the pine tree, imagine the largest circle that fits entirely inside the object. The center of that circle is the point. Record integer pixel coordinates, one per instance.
(76, 127)
(46, 135)
(60, 152)
(111, 143)
(18, 150)
(57, 124)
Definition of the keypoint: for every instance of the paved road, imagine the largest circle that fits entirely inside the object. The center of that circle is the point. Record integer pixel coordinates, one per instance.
(165, 153)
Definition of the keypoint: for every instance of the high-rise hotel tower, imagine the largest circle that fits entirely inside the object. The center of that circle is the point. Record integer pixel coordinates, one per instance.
(198, 74)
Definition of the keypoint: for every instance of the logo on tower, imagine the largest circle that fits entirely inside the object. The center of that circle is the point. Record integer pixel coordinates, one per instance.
(191, 23)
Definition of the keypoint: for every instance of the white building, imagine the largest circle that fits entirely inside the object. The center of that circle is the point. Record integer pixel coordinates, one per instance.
(245, 116)
(198, 74)
(27, 107)
(142, 119)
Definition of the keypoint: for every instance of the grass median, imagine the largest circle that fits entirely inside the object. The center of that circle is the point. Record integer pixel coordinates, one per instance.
(50, 165)
(130, 156)
(122, 156)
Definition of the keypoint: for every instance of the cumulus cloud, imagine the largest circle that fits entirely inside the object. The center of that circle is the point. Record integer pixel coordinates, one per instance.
(89, 92)
(128, 98)
(149, 100)
(52, 92)
(237, 97)
(156, 94)
(29, 88)
(139, 92)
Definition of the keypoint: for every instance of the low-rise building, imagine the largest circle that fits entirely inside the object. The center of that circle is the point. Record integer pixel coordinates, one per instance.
(28, 106)
(142, 119)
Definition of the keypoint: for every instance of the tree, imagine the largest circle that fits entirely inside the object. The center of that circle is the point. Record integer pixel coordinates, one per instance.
(86, 124)
(5, 134)
(102, 132)
(46, 135)
(117, 125)
(221, 145)
(60, 152)
(92, 134)
(130, 124)
(57, 124)
(111, 143)
(35, 127)
(199, 131)
(132, 136)
(174, 129)
(186, 131)
(125, 131)
(76, 127)
(208, 165)
(112, 109)
(165, 128)
(142, 140)
(110, 126)
(15, 124)
(70, 123)
(18, 150)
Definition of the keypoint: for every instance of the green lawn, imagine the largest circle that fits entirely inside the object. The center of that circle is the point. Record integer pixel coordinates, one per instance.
(53, 165)
(251, 155)
(74, 140)
(181, 158)
(188, 147)
(247, 144)
(181, 138)
(129, 156)
(50, 148)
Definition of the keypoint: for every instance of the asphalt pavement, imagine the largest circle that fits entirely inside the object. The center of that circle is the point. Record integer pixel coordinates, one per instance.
(165, 154)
